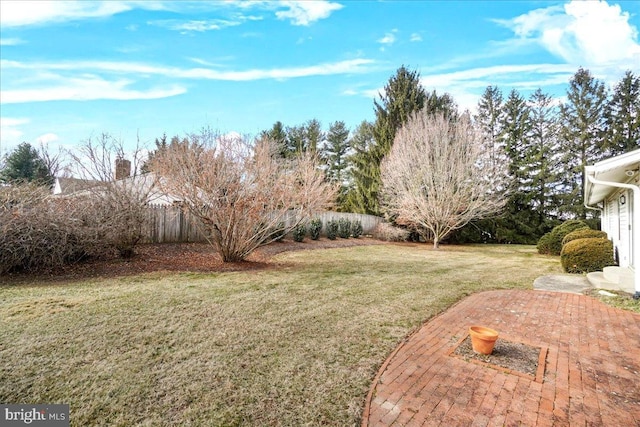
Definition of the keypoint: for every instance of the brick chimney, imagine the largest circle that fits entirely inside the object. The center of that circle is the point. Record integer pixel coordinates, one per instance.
(123, 168)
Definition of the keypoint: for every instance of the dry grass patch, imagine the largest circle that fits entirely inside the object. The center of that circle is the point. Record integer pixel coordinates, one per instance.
(617, 299)
(294, 345)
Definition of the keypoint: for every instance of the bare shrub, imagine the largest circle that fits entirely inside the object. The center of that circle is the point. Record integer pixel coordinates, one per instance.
(388, 233)
(241, 191)
(117, 203)
(38, 231)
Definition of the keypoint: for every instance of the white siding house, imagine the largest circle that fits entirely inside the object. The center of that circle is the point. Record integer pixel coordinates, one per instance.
(612, 186)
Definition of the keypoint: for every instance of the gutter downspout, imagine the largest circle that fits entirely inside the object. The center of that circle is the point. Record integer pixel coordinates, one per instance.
(635, 226)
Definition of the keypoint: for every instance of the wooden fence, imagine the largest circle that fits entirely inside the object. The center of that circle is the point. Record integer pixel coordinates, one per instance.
(171, 224)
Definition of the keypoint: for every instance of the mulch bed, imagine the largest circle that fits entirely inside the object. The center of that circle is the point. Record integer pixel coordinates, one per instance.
(510, 355)
(177, 257)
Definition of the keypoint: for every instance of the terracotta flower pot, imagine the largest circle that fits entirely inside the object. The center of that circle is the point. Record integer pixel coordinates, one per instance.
(482, 339)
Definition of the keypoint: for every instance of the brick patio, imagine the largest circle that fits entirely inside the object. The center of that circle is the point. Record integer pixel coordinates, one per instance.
(590, 353)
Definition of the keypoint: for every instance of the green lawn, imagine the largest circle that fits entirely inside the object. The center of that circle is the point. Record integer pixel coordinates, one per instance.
(294, 345)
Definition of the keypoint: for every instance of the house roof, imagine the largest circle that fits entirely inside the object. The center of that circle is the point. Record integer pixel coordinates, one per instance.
(622, 169)
(71, 185)
(144, 184)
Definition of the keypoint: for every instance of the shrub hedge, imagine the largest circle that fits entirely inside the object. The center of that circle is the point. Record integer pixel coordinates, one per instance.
(583, 233)
(332, 229)
(299, 231)
(551, 243)
(344, 228)
(315, 226)
(356, 228)
(587, 255)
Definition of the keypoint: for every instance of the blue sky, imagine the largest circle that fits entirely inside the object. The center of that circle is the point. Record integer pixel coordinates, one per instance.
(72, 70)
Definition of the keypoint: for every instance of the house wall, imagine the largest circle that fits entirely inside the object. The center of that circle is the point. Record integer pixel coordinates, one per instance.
(617, 221)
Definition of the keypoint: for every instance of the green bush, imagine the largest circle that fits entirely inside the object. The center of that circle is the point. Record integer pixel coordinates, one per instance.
(544, 244)
(332, 230)
(315, 226)
(299, 231)
(344, 228)
(583, 233)
(356, 228)
(587, 255)
(551, 243)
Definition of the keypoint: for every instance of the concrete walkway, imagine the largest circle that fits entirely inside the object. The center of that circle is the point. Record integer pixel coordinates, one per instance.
(575, 284)
(588, 373)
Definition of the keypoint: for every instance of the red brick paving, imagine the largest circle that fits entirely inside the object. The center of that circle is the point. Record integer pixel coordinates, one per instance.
(591, 375)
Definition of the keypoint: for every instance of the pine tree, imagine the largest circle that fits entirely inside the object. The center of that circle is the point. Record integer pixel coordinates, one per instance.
(582, 136)
(402, 95)
(277, 134)
(623, 116)
(519, 223)
(490, 121)
(360, 175)
(24, 164)
(542, 161)
(444, 104)
(313, 135)
(296, 140)
(161, 145)
(335, 151)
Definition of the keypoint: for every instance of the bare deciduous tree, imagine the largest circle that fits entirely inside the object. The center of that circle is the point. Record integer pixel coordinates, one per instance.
(437, 176)
(118, 202)
(241, 192)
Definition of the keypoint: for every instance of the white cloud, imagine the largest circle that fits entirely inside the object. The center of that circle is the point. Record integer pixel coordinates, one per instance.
(511, 75)
(47, 69)
(29, 12)
(415, 37)
(84, 88)
(582, 33)
(389, 38)
(196, 25)
(11, 42)
(304, 13)
(47, 138)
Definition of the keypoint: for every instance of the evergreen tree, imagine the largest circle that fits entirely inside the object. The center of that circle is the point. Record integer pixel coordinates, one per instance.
(161, 146)
(360, 175)
(582, 136)
(313, 135)
(24, 164)
(402, 95)
(519, 223)
(542, 159)
(299, 139)
(277, 134)
(444, 104)
(335, 151)
(490, 121)
(623, 116)
(296, 140)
